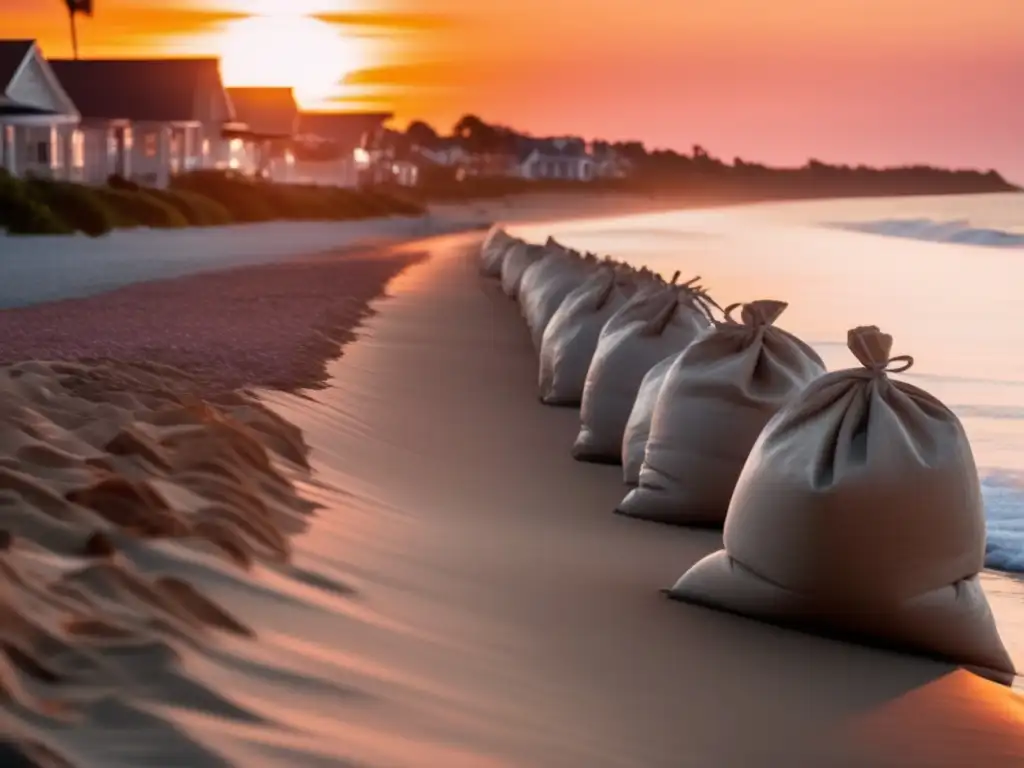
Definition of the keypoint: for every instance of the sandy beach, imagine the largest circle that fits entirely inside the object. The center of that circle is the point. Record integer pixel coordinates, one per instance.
(442, 585)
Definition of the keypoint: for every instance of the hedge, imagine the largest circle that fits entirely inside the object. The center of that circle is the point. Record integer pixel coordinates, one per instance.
(22, 214)
(140, 209)
(77, 206)
(196, 199)
(198, 210)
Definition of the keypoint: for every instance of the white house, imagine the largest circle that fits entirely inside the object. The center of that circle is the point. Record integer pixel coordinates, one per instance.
(148, 119)
(557, 159)
(38, 121)
(271, 117)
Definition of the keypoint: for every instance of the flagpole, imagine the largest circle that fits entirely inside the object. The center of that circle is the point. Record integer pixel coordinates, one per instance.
(74, 33)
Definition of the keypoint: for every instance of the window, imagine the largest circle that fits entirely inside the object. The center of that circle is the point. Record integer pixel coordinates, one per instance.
(43, 152)
(149, 145)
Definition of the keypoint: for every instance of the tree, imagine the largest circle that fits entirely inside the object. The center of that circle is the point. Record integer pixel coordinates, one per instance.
(421, 134)
(477, 136)
(76, 7)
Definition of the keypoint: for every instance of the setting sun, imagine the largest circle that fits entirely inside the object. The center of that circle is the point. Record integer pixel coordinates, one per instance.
(283, 47)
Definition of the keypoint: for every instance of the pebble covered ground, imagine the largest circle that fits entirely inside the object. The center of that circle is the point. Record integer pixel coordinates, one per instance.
(272, 326)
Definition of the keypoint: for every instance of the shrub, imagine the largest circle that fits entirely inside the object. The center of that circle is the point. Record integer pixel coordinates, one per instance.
(198, 210)
(21, 214)
(244, 199)
(141, 208)
(75, 205)
(117, 181)
(306, 202)
(395, 204)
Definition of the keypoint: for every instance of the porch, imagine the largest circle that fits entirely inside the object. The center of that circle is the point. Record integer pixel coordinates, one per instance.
(39, 142)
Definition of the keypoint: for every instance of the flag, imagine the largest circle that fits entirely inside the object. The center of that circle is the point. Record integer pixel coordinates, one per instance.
(83, 7)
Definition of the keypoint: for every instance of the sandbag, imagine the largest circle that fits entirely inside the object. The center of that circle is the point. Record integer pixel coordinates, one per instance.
(517, 259)
(570, 337)
(716, 399)
(650, 327)
(859, 514)
(493, 250)
(545, 285)
(638, 427)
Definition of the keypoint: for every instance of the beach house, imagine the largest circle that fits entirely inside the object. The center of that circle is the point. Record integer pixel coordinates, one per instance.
(148, 119)
(330, 147)
(38, 121)
(564, 159)
(272, 119)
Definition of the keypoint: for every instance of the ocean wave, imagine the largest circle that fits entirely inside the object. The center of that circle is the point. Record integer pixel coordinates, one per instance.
(1003, 493)
(930, 230)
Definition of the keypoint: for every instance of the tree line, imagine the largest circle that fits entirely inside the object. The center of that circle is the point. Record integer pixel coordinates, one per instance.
(668, 169)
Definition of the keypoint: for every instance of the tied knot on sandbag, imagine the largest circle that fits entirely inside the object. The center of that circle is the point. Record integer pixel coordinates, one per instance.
(873, 349)
(755, 314)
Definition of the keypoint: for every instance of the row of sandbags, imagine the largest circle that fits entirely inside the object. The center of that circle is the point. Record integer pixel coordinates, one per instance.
(850, 501)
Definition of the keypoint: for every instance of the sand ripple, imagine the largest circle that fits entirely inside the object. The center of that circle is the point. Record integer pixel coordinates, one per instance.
(97, 459)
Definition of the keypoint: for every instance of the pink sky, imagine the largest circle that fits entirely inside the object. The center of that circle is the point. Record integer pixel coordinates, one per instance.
(872, 81)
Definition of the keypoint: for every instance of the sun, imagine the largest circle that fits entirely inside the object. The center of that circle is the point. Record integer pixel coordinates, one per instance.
(283, 48)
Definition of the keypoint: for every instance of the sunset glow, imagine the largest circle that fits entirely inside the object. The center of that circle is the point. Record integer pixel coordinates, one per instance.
(288, 49)
(857, 81)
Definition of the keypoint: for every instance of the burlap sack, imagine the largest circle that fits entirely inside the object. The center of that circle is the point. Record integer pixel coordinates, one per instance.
(517, 259)
(570, 337)
(859, 514)
(551, 280)
(715, 401)
(638, 428)
(493, 250)
(653, 324)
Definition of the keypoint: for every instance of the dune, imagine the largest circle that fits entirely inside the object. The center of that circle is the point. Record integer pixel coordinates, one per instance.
(403, 567)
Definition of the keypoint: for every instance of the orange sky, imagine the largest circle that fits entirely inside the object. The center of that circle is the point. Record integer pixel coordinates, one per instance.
(874, 81)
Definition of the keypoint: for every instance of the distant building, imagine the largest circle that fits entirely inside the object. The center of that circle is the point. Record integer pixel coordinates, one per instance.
(331, 147)
(561, 159)
(272, 119)
(448, 153)
(148, 119)
(609, 163)
(38, 120)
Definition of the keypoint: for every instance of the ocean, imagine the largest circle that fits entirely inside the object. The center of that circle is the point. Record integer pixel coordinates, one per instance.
(943, 275)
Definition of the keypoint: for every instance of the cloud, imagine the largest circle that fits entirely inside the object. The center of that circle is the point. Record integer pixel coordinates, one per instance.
(389, 21)
(423, 74)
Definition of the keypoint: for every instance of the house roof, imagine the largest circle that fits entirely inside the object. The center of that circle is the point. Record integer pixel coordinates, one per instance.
(345, 128)
(564, 149)
(145, 90)
(12, 55)
(267, 111)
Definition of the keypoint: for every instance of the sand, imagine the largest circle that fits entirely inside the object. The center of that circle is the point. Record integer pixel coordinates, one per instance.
(443, 586)
(271, 325)
(46, 269)
(513, 618)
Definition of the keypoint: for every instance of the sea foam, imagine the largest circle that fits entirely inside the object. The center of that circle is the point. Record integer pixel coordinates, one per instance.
(1004, 504)
(930, 230)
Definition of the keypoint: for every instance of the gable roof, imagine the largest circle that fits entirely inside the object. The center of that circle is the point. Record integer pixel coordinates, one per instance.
(145, 90)
(267, 111)
(345, 128)
(12, 55)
